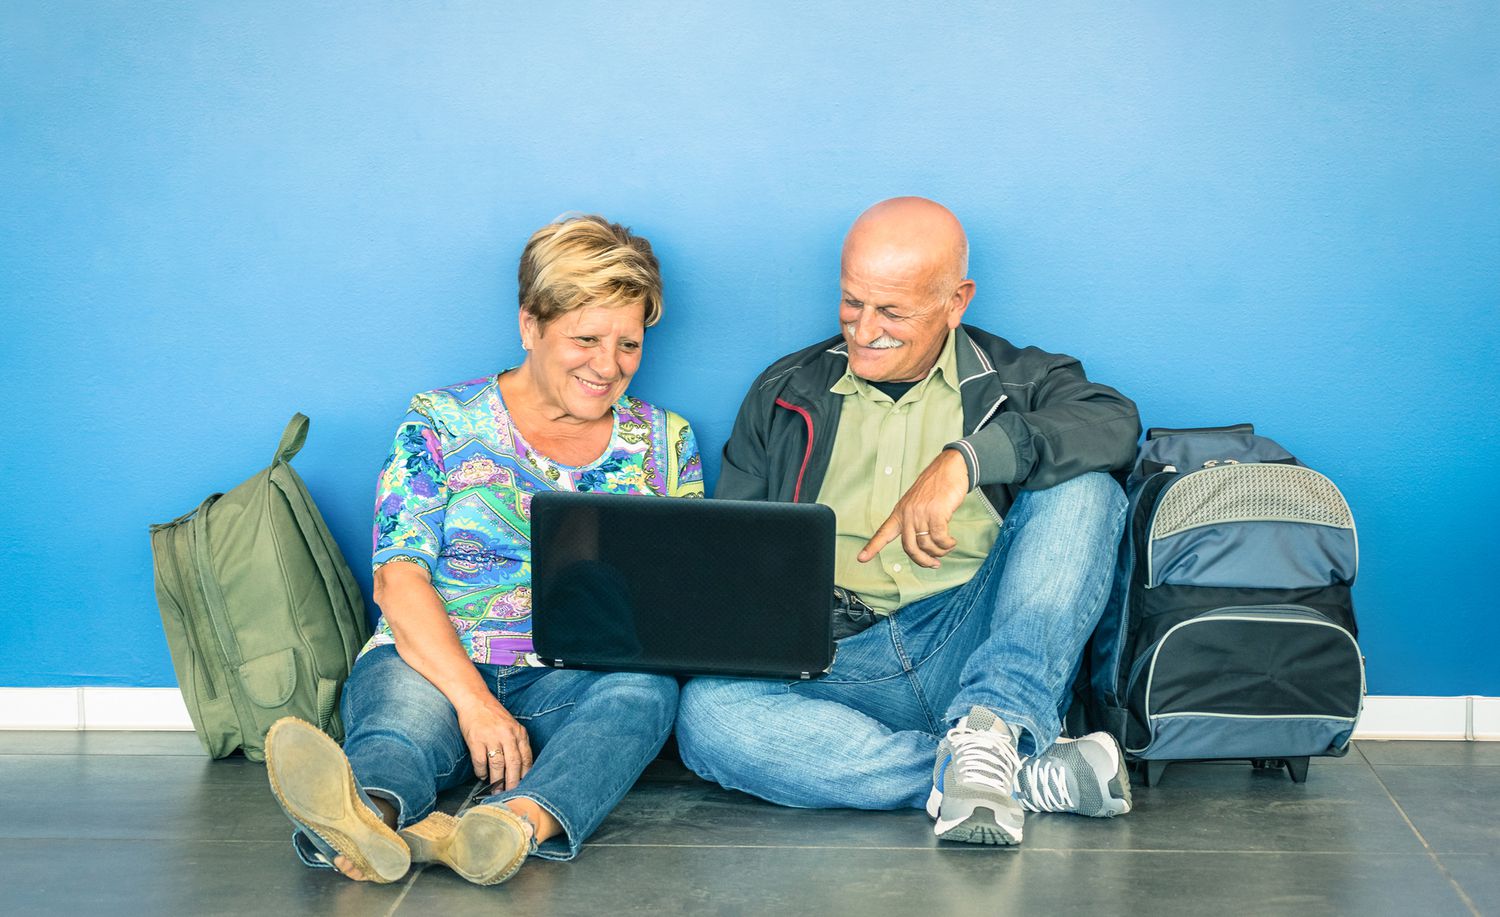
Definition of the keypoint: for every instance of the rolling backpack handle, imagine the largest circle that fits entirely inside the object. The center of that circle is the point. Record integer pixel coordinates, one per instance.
(292, 439)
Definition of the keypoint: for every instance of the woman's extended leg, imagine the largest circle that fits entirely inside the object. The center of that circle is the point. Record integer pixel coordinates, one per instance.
(402, 747)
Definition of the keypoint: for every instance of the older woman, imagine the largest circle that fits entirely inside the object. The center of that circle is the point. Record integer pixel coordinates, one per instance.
(448, 687)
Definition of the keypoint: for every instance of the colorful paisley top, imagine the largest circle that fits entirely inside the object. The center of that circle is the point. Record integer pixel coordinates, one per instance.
(455, 496)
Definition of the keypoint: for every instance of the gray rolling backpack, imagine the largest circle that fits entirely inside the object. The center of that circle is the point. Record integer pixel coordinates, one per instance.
(1230, 630)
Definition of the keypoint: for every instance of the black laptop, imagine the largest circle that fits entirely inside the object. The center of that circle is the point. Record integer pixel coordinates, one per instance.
(680, 586)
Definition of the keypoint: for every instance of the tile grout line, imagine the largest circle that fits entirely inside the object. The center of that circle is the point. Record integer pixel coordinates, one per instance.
(1431, 854)
(976, 849)
(410, 884)
(1020, 849)
(818, 847)
(417, 874)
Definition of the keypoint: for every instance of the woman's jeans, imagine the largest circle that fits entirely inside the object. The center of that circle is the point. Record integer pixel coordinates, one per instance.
(592, 733)
(865, 735)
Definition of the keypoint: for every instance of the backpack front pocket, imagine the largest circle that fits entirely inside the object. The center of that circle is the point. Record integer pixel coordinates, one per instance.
(1246, 681)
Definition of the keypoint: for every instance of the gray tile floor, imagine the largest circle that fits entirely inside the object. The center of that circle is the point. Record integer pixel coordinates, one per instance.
(143, 823)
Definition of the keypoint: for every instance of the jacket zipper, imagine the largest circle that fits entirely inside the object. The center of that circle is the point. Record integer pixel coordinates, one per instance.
(807, 454)
(988, 414)
(983, 497)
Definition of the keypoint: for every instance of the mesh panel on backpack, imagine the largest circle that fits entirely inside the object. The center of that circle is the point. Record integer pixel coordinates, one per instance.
(1252, 493)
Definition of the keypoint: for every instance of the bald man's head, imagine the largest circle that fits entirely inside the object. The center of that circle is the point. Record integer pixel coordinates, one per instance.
(914, 229)
(904, 287)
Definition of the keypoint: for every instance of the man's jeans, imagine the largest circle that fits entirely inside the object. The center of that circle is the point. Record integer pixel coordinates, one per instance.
(865, 735)
(592, 734)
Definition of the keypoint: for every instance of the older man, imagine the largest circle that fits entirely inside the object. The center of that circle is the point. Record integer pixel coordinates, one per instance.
(976, 533)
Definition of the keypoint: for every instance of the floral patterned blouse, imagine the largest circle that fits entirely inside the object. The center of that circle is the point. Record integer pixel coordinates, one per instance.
(455, 496)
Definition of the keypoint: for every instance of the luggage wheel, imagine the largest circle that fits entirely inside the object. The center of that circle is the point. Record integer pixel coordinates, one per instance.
(1296, 768)
(1150, 771)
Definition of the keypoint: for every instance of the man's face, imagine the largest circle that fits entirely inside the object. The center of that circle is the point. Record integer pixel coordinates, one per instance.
(896, 314)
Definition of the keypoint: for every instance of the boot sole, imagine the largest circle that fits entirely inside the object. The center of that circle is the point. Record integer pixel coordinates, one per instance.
(486, 846)
(315, 787)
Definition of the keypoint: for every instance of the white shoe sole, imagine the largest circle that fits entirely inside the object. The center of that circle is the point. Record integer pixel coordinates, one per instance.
(980, 825)
(1118, 788)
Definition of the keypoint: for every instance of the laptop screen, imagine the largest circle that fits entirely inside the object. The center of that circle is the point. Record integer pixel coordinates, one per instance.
(682, 586)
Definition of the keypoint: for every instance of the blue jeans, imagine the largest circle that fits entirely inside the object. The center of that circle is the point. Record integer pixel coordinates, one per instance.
(865, 735)
(592, 733)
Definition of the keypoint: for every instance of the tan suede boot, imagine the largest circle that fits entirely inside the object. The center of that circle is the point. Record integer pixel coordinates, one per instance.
(316, 788)
(486, 845)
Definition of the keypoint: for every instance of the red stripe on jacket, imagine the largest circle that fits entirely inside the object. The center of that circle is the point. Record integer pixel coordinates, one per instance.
(806, 456)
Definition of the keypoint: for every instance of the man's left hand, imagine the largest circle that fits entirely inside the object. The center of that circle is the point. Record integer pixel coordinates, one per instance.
(921, 515)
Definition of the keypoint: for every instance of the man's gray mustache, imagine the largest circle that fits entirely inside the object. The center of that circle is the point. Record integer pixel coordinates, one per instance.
(884, 342)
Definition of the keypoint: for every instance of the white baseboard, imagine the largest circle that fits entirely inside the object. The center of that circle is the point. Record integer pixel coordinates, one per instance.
(133, 708)
(1486, 723)
(41, 708)
(1385, 716)
(93, 708)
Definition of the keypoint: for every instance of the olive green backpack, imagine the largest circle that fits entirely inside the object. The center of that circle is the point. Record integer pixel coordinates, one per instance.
(261, 613)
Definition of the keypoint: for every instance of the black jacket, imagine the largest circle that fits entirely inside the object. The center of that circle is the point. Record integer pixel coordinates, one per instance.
(1032, 419)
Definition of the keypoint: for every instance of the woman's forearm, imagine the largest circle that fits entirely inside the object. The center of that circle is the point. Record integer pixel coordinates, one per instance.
(425, 637)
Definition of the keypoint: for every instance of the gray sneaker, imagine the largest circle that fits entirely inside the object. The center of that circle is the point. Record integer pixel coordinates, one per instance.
(1084, 776)
(974, 782)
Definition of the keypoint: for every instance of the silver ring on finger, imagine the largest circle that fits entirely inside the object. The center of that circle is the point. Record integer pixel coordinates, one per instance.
(919, 534)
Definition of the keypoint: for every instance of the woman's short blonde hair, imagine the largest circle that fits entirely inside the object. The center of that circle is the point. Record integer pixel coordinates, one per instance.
(585, 260)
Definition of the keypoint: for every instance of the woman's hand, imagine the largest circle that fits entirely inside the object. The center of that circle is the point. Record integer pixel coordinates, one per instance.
(499, 748)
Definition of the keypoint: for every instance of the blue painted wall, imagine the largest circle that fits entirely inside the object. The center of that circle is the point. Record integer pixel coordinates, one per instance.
(215, 214)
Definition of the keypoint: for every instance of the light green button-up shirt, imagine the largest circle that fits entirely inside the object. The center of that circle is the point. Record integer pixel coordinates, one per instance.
(881, 447)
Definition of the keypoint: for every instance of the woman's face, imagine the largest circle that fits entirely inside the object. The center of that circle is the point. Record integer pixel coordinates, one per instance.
(583, 360)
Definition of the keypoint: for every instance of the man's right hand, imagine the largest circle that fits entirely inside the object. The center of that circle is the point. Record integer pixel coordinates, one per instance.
(921, 516)
(499, 748)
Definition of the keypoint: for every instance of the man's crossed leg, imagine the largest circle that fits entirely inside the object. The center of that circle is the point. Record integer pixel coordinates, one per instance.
(953, 702)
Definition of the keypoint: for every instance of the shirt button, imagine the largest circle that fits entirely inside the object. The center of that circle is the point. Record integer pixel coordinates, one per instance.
(888, 469)
(895, 568)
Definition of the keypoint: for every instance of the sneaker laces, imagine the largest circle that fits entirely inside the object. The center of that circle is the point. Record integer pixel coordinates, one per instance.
(1046, 784)
(985, 757)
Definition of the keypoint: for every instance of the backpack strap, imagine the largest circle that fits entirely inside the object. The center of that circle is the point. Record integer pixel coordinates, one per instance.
(292, 439)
